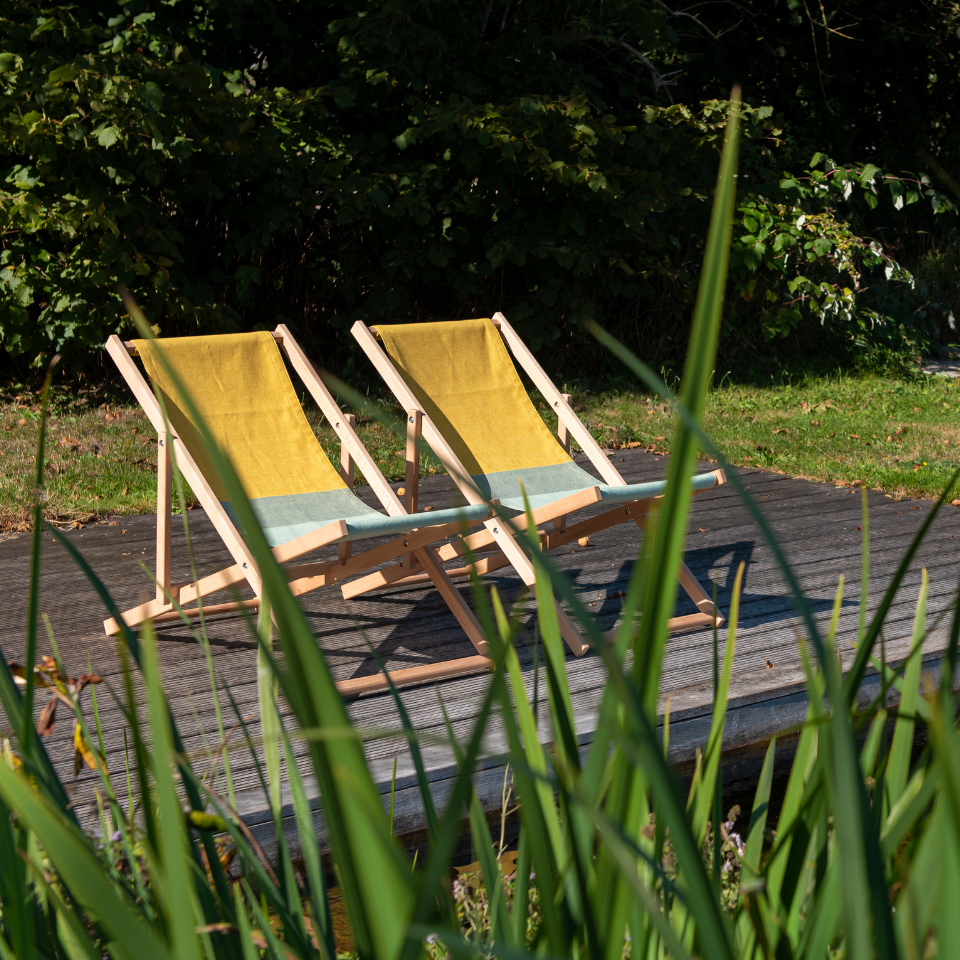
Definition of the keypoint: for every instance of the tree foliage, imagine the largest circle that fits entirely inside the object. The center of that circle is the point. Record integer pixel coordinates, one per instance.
(236, 164)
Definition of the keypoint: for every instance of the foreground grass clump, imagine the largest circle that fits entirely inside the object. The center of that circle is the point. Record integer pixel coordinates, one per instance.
(899, 436)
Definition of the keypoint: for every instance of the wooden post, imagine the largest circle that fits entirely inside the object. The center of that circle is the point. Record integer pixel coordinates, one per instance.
(164, 498)
(563, 435)
(412, 478)
(347, 470)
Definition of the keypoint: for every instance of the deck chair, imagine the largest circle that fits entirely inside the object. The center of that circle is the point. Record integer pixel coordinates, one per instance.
(462, 391)
(242, 389)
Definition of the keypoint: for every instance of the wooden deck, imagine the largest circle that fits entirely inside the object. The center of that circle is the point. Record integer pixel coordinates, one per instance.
(816, 523)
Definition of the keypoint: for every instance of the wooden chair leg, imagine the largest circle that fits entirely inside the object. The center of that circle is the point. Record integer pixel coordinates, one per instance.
(412, 478)
(691, 587)
(347, 473)
(521, 563)
(423, 674)
(456, 603)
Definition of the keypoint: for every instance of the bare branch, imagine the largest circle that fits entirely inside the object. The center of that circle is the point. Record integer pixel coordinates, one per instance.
(683, 13)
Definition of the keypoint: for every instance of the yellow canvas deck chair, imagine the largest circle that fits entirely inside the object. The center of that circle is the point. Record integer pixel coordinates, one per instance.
(460, 387)
(241, 387)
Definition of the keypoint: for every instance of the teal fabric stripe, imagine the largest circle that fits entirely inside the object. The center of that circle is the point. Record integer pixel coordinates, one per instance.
(637, 491)
(542, 485)
(545, 485)
(285, 518)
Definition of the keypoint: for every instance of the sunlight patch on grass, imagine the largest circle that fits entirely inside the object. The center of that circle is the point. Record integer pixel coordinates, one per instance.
(902, 437)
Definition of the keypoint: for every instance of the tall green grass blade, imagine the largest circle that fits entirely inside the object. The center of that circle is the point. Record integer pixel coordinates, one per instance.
(423, 785)
(642, 747)
(647, 376)
(127, 642)
(323, 921)
(626, 855)
(801, 772)
(15, 894)
(671, 523)
(865, 649)
(898, 765)
(871, 746)
(80, 870)
(492, 878)
(267, 691)
(521, 891)
(28, 734)
(170, 871)
(758, 815)
(71, 932)
(864, 566)
(948, 670)
(428, 906)
(532, 750)
(376, 880)
(538, 814)
(577, 848)
(653, 586)
(712, 755)
(245, 931)
(914, 802)
(821, 926)
(274, 947)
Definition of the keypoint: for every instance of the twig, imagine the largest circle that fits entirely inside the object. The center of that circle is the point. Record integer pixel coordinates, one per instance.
(683, 13)
(659, 80)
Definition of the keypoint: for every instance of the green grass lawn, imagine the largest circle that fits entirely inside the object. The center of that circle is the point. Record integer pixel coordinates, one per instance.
(899, 436)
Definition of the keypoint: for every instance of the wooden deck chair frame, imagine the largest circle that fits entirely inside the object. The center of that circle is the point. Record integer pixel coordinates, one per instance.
(302, 578)
(496, 537)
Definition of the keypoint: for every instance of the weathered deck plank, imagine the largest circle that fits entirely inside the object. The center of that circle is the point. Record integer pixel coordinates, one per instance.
(816, 524)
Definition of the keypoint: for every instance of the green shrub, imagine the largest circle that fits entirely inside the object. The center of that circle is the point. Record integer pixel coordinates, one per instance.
(241, 164)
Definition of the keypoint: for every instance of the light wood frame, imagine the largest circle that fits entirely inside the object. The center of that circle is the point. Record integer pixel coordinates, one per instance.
(495, 537)
(171, 598)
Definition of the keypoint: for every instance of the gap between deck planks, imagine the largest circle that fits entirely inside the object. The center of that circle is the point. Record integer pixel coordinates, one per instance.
(815, 523)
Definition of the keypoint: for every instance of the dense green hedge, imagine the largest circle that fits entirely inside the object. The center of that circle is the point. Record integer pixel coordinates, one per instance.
(238, 164)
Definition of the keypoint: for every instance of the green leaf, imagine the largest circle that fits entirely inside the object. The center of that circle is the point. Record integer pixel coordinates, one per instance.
(758, 814)
(152, 95)
(107, 134)
(78, 867)
(63, 74)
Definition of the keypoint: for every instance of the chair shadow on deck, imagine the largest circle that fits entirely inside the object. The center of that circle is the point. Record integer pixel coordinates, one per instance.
(710, 565)
(412, 626)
